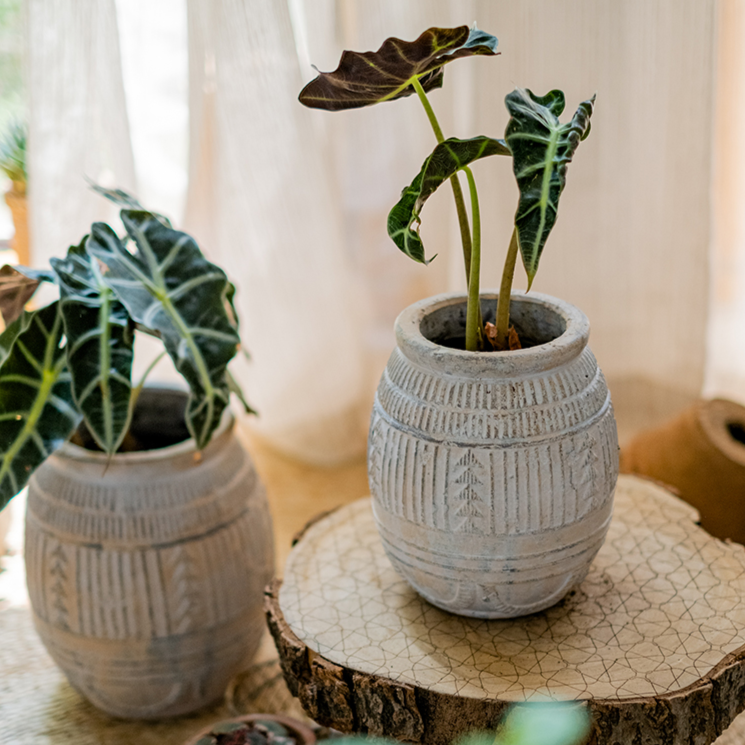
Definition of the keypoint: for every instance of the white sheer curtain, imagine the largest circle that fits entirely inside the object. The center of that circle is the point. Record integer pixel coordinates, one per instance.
(77, 123)
(293, 202)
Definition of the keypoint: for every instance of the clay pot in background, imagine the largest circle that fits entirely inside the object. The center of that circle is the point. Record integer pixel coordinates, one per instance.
(16, 201)
(701, 454)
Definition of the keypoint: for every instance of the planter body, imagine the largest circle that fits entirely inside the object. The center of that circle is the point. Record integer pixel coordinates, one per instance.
(146, 577)
(492, 474)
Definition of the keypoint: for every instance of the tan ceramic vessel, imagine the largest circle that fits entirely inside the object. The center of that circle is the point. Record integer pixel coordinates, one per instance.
(146, 576)
(492, 474)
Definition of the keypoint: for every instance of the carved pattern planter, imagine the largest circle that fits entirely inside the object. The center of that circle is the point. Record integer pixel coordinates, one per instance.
(492, 474)
(146, 577)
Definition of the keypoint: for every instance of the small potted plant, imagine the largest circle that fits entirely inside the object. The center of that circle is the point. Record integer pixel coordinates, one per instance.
(13, 165)
(145, 568)
(255, 729)
(492, 453)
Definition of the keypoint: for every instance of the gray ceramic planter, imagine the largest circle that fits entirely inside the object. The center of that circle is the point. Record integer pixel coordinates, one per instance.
(492, 474)
(146, 575)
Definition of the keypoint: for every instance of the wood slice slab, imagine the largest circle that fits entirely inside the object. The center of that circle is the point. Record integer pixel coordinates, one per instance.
(653, 641)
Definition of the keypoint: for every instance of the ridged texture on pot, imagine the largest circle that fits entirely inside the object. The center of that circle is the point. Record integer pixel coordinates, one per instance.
(147, 584)
(493, 474)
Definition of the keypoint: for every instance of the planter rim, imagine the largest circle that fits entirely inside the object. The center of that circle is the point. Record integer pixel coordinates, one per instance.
(306, 734)
(511, 363)
(75, 452)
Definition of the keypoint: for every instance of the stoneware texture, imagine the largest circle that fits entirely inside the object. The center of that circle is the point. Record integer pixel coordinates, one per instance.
(492, 474)
(146, 575)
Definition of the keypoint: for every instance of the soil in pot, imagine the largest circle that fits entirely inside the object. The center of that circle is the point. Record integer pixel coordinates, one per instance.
(447, 326)
(157, 422)
(256, 729)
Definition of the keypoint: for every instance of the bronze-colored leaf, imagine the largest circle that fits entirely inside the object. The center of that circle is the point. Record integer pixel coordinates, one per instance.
(513, 340)
(366, 78)
(16, 290)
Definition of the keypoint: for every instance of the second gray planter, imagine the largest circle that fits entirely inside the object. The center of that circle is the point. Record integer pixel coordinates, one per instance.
(146, 574)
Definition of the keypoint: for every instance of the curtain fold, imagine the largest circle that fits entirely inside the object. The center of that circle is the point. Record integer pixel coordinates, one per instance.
(78, 126)
(274, 222)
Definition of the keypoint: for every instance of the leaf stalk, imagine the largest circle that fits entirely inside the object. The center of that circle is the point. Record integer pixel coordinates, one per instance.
(460, 202)
(505, 292)
(474, 336)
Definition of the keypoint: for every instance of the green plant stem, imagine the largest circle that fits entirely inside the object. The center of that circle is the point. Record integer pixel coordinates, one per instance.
(460, 202)
(505, 293)
(473, 313)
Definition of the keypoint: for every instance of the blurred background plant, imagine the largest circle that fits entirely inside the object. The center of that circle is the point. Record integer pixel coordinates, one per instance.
(13, 165)
(550, 723)
(12, 122)
(540, 723)
(13, 155)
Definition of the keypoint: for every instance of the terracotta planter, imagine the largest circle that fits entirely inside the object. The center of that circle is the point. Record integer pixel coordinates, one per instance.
(16, 201)
(146, 574)
(492, 474)
(302, 734)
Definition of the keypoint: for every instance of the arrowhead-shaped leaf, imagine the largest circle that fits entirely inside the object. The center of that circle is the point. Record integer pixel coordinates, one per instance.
(446, 159)
(168, 286)
(542, 147)
(99, 347)
(366, 78)
(124, 199)
(119, 197)
(36, 410)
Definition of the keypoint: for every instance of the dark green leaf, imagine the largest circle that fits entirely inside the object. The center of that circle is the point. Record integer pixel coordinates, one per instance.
(36, 409)
(13, 153)
(8, 337)
(99, 347)
(222, 728)
(168, 286)
(542, 147)
(446, 159)
(366, 78)
(124, 199)
(42, 275)
(230, 305)
(119, 197)
(236, 389)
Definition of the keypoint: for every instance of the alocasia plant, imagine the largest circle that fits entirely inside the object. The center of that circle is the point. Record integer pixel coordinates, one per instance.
(72, 359)
(540, 146)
